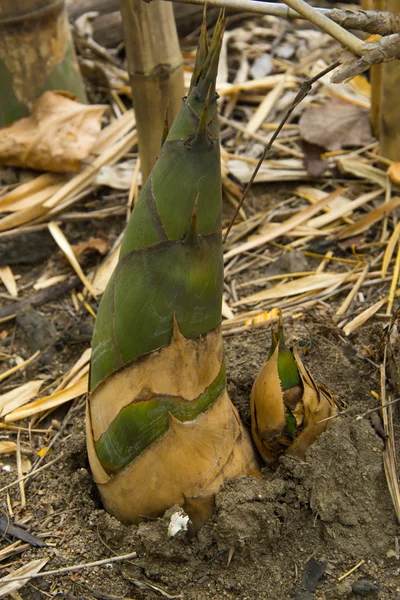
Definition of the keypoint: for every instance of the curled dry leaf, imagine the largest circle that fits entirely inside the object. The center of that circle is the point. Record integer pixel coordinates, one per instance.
(394, 172)
(57, 137)
(7, 447)
(97, 244)
(313, 161)
(287, 407)
(336, 124)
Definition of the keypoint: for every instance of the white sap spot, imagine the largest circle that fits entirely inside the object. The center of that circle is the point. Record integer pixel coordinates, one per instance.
(178, 522)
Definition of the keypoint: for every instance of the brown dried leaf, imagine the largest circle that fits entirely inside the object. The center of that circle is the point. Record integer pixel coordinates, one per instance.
(97, 244)
(313, 161)
(58, 135)
(7, 447)
(335, 125)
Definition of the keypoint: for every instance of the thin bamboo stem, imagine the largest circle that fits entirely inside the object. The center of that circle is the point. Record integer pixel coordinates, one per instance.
(96, 563)
(389, 132)
(156, 71)
(376, 78)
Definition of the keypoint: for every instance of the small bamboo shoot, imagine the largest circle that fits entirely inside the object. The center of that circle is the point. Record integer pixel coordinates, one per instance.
(288, 409)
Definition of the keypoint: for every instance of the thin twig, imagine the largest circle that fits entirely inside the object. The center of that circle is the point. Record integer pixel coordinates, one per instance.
(302, 93)
(96, 563)
(357, 417)
(361, 562)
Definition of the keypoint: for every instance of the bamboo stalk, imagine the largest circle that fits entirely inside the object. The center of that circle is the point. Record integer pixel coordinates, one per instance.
(36, 54)
(155, 69)
(376, 77)
(376, 98)
(389, 132)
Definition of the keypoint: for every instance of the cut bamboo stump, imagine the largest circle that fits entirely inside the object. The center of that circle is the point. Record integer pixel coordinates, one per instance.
(36, 54)
(155, 69)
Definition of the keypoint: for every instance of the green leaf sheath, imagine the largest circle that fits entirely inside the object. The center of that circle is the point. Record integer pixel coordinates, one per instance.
(148, 286)
(287, 368)
(170, 265)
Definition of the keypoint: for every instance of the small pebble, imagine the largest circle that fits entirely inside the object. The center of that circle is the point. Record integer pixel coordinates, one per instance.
(363, 587)
(343, 589)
